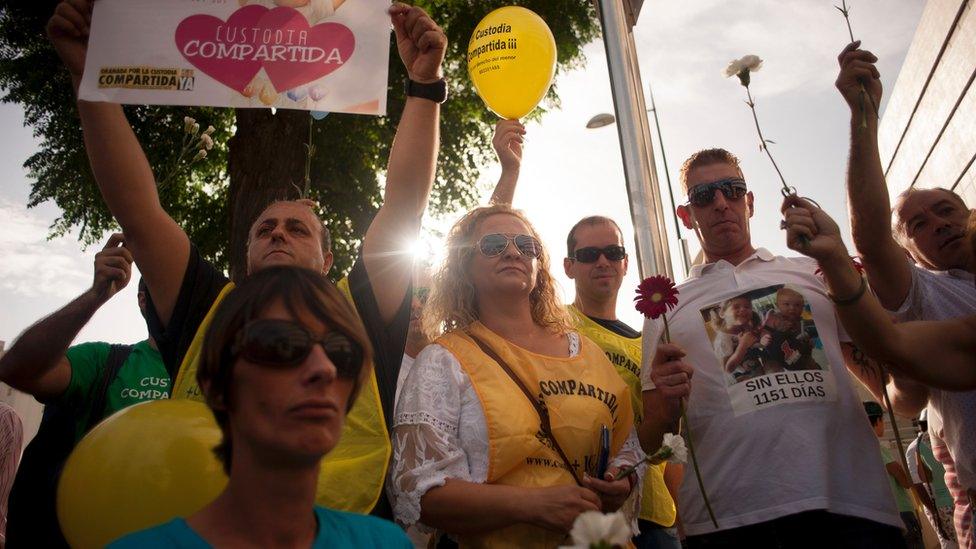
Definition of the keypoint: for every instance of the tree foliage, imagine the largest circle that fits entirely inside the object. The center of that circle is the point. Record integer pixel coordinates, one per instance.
(259, 156)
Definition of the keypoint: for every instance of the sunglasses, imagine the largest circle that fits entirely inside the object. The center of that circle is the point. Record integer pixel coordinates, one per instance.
(733, 188)
(495, 244)
(592, 254)
(284, 344)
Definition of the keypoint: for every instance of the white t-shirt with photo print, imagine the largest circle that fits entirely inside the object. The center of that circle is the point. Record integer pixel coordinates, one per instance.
(781, 443)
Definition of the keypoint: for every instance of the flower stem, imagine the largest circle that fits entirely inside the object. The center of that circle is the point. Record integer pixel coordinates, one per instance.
(864, 92)
(310, 150)
(694, 462)
(691, 445)
(894, 422)
(762, 141)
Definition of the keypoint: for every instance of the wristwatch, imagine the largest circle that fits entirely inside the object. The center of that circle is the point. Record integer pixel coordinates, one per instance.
(435, 91)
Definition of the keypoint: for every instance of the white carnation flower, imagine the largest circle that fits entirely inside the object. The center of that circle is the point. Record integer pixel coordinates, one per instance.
(742, 66)
(679, 454)
(593, 528)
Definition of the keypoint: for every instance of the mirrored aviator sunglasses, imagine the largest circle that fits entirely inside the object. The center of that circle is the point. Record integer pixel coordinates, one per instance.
(732, 189)
(285, 344)
(494, 244)
(592, 254)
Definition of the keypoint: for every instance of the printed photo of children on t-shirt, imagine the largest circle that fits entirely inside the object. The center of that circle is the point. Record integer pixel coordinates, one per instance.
(764, 331)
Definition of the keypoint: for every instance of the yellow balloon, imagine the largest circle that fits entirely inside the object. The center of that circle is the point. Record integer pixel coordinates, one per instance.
(142, 466)
(512, 60)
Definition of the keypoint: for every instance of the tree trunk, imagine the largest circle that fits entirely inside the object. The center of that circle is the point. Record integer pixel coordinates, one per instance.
(265, 162)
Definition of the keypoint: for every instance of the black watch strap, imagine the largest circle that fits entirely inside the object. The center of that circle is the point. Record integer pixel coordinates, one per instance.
(435, 91)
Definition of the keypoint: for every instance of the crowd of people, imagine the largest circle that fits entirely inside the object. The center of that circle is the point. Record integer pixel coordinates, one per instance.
(465, 405)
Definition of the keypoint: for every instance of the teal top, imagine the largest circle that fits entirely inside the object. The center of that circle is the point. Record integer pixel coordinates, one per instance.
(336, 530)
(902, 498)
(939, 490)
(142, 377)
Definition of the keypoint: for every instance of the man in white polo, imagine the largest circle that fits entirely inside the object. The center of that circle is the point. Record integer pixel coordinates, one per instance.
(786, 457)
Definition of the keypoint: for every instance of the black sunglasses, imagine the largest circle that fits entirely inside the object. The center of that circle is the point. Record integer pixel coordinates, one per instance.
(733, 188)
(495, 244)
(592, 254)
(284, 344)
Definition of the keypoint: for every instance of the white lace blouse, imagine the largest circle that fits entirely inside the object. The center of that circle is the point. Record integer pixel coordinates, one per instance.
(440, 432)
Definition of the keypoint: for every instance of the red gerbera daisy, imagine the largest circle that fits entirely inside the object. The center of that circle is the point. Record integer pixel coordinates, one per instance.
(655, 296)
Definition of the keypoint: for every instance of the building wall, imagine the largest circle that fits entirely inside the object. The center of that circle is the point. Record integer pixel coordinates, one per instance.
(927, 135)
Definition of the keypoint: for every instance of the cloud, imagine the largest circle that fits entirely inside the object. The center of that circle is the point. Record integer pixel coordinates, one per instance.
(684, 46)
(31, 265)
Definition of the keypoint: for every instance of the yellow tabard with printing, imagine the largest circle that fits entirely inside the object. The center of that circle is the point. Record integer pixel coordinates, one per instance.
(581, 393)
(351, 478)
(625, 355)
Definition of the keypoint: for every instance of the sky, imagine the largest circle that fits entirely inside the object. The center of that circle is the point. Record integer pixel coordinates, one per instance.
(568, 171)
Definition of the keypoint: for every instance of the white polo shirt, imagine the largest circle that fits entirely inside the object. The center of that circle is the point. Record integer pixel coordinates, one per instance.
(791, 435)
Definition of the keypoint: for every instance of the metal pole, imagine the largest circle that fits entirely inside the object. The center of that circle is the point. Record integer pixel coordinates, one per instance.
(685, 256)
(643, 191)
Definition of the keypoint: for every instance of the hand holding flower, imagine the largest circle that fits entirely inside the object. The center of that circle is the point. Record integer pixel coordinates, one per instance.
(671, 377)
(858, 74)
(613, 493)
(556, 507)
(810, 231)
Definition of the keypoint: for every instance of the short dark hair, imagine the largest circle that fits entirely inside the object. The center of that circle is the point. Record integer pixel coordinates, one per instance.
(300, 290)
(873, 410)
(706, 157)
(589, 221)
(325, 235)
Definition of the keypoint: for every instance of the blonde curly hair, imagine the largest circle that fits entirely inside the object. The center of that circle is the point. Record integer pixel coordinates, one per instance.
(453, 304)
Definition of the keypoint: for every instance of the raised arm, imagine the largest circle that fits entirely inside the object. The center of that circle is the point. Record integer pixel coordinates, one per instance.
(884, 260)
(158, 244)
(36, 363)
(939, 354)
(413, 157)
(507, 142)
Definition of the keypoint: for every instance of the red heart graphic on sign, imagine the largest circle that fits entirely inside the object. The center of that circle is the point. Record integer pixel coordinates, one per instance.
(297, 53)
(223, 50)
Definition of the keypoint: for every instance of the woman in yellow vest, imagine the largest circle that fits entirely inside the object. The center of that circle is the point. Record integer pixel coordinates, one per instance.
(497, 434)
(282, 363)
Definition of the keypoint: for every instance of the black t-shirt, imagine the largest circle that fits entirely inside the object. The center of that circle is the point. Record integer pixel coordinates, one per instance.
(616, 327)
(202, 282)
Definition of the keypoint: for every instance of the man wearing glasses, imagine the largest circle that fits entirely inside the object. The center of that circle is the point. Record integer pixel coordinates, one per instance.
(785, 457)
(596, 261)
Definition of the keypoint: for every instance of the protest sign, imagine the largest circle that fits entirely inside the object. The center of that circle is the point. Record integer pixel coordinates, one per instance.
(322, 55)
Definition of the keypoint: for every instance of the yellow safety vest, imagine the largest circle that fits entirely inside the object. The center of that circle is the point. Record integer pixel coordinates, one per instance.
(625, 354)
(351, 478)
(581, 393)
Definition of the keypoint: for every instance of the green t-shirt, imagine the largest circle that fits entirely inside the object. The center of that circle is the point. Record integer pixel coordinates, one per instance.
(142, 377)
(942, 496)
(901, 495)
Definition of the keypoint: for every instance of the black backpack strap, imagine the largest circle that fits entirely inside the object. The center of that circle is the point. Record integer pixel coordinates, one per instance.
(117, 356)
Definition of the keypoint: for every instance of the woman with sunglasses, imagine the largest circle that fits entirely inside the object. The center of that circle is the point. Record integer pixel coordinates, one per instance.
(497, 435)
(282, 364)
